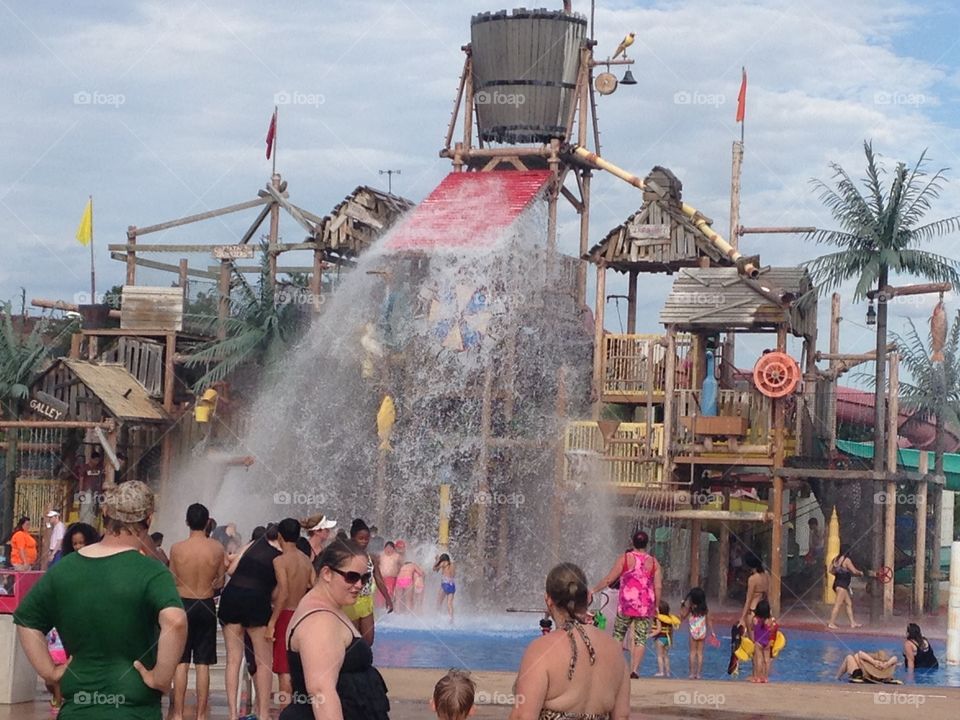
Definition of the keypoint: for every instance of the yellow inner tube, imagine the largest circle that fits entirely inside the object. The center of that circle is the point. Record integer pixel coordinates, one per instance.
(745, 651)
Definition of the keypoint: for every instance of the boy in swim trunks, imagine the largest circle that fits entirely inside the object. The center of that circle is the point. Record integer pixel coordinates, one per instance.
(197, 565)
(448, 585)
(410, 576)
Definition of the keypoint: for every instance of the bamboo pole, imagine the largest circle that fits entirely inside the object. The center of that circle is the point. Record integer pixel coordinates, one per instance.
(920, 549)
(890, 508)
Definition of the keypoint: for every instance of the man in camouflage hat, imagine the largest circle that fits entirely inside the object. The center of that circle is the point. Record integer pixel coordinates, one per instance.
(117, 610)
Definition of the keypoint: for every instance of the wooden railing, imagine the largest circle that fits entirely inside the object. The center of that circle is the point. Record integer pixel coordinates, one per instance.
(625, 461)
(633, 365)
(753, 406)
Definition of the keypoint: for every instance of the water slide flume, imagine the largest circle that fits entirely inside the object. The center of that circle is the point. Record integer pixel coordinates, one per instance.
(748, 266)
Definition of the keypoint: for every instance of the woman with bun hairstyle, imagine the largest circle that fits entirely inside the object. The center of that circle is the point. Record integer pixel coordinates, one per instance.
(576, 672)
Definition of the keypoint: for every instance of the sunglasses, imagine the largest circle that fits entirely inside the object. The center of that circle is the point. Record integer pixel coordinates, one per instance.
(352, 578)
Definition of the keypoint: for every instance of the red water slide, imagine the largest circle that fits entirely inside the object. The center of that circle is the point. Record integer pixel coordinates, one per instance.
(856, 406)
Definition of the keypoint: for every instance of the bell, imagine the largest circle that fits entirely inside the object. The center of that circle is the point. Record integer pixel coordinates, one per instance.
(628, 78)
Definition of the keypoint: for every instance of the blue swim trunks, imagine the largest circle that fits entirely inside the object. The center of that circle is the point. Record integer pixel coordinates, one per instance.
(448, 588)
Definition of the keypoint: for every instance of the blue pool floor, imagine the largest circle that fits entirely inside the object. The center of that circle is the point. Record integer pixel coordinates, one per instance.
(807, 657)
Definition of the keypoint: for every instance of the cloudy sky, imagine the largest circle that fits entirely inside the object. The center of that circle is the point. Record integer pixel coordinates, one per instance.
(159, 109)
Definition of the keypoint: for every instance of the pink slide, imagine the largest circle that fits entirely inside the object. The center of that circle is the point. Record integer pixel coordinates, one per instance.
(856, 406)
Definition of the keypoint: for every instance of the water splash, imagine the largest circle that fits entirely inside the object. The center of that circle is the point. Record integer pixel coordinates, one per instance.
(486, 354)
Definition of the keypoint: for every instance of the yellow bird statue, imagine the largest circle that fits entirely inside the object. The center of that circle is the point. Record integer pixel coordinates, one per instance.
(386, 417)
(938, 332)
(624, 44)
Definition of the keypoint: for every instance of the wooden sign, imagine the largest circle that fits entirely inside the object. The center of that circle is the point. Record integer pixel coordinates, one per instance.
(651, 232)
(48, 406)
(232, 252)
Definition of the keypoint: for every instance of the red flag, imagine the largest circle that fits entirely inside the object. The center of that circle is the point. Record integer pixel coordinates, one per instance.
(742, 97)
(271, 133)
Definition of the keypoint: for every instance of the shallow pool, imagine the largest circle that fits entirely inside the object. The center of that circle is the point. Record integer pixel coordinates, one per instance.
(808, 656)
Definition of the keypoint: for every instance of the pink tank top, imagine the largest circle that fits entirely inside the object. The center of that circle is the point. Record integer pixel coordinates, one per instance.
(636, 588)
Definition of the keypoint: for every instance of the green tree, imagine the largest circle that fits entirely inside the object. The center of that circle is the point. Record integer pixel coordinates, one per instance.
(933, 392)
(264, 321)
(880, 231)
(21, 354)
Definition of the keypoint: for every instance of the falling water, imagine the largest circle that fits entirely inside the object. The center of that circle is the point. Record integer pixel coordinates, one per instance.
(486, 355)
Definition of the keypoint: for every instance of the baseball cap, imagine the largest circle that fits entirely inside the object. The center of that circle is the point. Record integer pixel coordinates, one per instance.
(324, 524)
(53, 513)
(400, 545)
(131, 501)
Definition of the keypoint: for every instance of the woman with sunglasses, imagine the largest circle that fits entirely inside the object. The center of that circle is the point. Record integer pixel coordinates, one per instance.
(331, 665)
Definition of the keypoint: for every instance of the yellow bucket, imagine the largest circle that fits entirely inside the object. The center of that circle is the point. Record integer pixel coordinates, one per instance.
(203, 412)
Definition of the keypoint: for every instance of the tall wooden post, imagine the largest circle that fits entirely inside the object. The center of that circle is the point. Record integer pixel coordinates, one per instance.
(724, 560)
(166, 444)
(669, 402)
(736, 170)
(483, 495)
(920, 551)
(890, 519)
(694, 553)
(316, 280)
(834, 364)
(776, 549)
(184, 282)
(586, 176)
(468, 109)
(274, 236)
(632, 302)
(444, 530)
(559, 484)
(131, 256)
(223, 300)
(553, 163)
(599, 346)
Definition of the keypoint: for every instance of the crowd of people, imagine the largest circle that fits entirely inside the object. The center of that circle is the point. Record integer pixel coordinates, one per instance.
(127, 621)
(115, 602)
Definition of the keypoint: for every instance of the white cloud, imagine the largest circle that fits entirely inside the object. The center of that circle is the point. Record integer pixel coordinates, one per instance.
(199, 79)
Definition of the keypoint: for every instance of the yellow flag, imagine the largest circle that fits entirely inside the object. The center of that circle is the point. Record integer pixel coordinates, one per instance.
(85, 231)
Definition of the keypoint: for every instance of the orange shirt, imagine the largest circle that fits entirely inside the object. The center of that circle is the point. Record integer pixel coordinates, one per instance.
(23, 548)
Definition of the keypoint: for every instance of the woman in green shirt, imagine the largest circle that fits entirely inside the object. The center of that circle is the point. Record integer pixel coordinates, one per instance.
(118, 613)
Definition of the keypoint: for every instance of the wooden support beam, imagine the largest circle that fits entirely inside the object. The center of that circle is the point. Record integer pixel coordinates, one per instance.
(154, 265)
(695, 553)
(199, 248)
(632, 302)
(254, 269)
(786, 230)
(725, 515)
(598, 339)
(920, 289)
(223, 298)
(131, 256)
(292, 210)
(255, 225)
(184, 283)
(920, 549)
(901, 476)
(200, 216)
(724, 561)
(55, 424)
(890, 509)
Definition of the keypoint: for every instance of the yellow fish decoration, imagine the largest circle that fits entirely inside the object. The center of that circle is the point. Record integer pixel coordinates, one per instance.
(386, 417)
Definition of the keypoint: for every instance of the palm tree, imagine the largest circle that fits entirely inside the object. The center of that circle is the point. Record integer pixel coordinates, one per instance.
(933, 392)
(20, 356)
(880, 231)
(265, 320)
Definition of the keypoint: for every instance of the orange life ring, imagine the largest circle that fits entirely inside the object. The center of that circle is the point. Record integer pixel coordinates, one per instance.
(776, 374)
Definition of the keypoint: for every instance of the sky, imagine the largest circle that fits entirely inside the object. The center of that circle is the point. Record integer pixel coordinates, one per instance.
(159, 110)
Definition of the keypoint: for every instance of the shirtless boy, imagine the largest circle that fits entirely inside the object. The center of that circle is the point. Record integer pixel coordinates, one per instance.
(295, 575)
(198, 564)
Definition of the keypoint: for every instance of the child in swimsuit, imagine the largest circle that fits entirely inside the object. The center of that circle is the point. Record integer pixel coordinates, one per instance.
(764, 631)
(694, 610)
(410, 574)
(662, 634)
(448, 586)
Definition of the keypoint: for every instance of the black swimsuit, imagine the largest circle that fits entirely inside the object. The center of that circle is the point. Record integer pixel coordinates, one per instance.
(924, 657)
(841, 576)
(360, 687)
